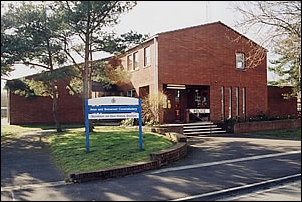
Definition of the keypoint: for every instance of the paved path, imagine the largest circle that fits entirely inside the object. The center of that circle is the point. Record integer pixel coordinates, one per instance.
(25, 159)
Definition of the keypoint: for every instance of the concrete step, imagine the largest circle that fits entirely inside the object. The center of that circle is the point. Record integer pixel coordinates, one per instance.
(204, 132)
(201, 128)
(198, 123)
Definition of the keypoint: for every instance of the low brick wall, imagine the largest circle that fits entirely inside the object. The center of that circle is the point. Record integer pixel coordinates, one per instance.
(170, 155)
(164, 129)
(157, 160)
(247, 127)
(117, 171)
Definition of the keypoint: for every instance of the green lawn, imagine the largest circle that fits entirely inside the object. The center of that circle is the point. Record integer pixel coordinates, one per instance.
(109, 146)
(287, 134)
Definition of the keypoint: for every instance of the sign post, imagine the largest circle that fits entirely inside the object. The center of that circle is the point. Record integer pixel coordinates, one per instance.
(87, 126)
(113, 107)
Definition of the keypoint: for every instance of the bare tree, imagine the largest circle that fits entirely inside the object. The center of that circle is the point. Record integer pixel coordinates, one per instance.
(278, 27)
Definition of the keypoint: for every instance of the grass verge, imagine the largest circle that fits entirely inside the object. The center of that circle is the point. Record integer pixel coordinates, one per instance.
(294, 134)
(108, 146)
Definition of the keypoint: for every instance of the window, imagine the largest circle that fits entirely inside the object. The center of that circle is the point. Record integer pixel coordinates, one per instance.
(240, 61)
(237, 102)
(222, 104)
(230, 103)
(131, 93)
(147, 57)
(243, 103)
(135, 56)
(129, 62)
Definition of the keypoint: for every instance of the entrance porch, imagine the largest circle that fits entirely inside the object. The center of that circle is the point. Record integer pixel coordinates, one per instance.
(187, 103)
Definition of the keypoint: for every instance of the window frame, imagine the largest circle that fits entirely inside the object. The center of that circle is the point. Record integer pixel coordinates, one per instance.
(129, 62)
(147, 56)
(131, 93)
(240, 61)
(230, 102)
(135, 61)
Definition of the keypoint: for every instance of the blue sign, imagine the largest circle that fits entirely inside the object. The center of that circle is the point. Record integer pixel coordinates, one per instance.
(113, 107)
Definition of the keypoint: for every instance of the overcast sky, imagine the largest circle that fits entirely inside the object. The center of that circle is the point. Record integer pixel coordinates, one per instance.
(159, 16)
(152, 17)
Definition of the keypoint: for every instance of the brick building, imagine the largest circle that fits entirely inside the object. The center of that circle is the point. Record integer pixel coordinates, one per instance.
(202, 71)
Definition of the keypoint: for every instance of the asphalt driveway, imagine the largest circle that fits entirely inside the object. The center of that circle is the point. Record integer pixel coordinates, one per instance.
(29, 173)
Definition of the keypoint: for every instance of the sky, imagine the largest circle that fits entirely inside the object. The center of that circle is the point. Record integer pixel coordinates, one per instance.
(152, 17)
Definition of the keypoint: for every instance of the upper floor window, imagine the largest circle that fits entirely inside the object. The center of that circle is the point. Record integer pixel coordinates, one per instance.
(129, 62)
(135, 57)
(147, 56)
(240, 61)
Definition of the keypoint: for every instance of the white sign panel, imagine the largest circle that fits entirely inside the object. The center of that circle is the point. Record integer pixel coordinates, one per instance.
(200, 111)
(113, 100)
(113, 116)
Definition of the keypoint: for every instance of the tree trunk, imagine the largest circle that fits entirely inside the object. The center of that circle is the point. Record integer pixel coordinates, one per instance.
(87, 73)
(55, 108)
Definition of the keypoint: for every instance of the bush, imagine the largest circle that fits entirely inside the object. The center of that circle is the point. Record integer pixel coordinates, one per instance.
(151, 108)
(127, 122)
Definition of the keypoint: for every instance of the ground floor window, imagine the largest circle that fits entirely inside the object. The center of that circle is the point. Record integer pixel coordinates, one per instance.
(131, 93)
(237, 102)
(243, 103)
(222, 103)
(230, 103)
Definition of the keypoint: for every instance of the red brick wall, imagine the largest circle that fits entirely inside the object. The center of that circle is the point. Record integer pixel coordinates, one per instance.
(205, 55)
(39, 110)
(277, 105)
(256, 126)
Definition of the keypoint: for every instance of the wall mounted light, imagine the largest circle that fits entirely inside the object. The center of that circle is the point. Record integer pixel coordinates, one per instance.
(176, 86)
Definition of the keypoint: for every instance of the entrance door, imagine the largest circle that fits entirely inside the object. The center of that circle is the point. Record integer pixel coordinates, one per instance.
(198, 103)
